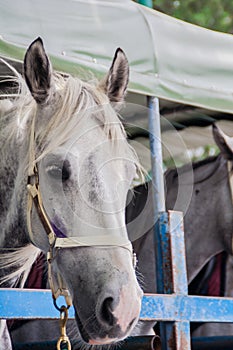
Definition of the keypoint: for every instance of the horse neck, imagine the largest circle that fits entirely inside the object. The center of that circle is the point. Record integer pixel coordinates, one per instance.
(13, 193)
(208, 218)
(16, 254)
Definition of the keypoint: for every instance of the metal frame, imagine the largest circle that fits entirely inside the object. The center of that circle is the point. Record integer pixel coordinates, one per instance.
(171, 272)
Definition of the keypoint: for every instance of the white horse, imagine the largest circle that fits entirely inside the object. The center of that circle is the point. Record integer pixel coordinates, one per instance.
(65, 171)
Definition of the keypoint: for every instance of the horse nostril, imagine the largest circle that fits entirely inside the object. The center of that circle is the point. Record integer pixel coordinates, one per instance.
(106, 312)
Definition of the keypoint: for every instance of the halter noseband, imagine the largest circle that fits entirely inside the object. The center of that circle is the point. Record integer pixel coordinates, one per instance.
(34, 196)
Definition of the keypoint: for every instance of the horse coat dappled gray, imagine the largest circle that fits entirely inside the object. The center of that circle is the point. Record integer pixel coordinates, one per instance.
(65, 133)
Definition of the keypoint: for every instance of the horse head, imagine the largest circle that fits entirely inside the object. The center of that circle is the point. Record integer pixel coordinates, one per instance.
(224, 142)
(82, 167)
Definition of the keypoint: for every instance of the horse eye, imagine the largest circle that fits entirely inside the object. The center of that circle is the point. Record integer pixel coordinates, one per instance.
(59, 173)
(65, 173)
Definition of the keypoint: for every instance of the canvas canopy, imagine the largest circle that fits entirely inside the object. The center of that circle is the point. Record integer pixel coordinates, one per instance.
(170, 59)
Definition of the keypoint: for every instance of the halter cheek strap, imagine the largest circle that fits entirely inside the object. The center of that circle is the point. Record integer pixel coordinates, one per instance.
(34, 196)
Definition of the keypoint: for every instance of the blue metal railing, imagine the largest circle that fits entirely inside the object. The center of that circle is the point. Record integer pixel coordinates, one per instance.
(30, 304)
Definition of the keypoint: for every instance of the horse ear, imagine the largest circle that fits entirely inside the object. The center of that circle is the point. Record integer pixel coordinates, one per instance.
(38, 71)
(224, 142)
(116, 82)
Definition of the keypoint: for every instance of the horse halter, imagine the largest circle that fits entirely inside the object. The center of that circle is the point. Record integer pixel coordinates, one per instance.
(34, 197)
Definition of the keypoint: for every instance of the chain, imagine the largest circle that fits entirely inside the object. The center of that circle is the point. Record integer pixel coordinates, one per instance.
(63, 342)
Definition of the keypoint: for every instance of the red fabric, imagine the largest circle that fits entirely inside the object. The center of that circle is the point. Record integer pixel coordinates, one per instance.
(36, 275)
(214, 283)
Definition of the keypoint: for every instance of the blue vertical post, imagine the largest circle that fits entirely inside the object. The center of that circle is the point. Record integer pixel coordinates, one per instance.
(158, 184)
(161, 234)
(156, 154)
(174, 335)
(171, 272)
(181, 330)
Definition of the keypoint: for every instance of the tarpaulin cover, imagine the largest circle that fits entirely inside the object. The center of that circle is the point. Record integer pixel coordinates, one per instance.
(168, 58)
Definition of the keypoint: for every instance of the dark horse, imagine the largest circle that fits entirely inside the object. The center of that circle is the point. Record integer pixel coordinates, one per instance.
(208, 224)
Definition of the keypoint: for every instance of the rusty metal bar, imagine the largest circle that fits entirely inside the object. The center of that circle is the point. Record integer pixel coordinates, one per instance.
(178, 255)
(164, 280)
(174, 335)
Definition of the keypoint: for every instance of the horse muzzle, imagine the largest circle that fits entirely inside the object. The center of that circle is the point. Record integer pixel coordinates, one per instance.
(115, 316)
(104, 289)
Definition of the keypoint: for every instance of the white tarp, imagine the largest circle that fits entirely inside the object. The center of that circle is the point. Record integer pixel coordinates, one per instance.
(169, 58)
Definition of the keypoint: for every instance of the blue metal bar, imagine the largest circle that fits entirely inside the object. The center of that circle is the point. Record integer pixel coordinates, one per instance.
(169, 239)
(158, 187)
(162, 254)
(156, 156)
(178, 260)
(161, 234)
(175, 277)
(164, 279)
(29, 304)
(182, 336)
(187, 308)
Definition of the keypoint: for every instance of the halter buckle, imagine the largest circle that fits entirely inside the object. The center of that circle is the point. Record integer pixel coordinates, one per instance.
(32, 189)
